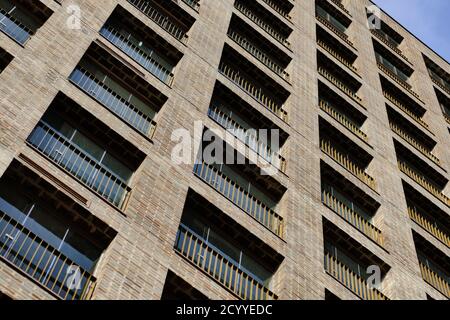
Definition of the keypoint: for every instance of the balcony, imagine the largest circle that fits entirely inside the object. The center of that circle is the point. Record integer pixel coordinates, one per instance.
(343, 119)
(266, 21)
(351, 280)
(120, 91)
(347, 201)
(438, 75)
(273, 58)
(5, 59)
(334, 21)
(410, 139)
(414, 110)
(419, 171)
(72, 150)
(21, 19)
(48, 242)
(345, 152)
(389, 41)
(427, 223)
(208, 239)
(342, 80)
(341, 6)
(194, 4)
(176, 289)
(444, 102)
(422, 181)
(240, 196)
(283, 7)
(394, 68)
(254, 82)
(347, 262)
(345, 161)
(224, 270)
(168, 15)
(337, 55)
(247, 136)
(142, 45)
(434, 265)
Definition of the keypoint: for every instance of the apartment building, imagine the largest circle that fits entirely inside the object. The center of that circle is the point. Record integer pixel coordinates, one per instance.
(91, 93)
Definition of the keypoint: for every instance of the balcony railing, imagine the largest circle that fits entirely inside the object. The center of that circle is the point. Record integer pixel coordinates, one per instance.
(405, 109)
(397, 79)
(388, 43)
(194, 4)
(134, 52)
(79, 164)
(241, 197)
(352, 217)
(274, 5)
(352, 94)
(145, 6)
(220, 267)
(351, 280)
(248, 138)
(425, 151)
(422, 181)
(347, 163)
(439, 81)
(429, 226)
(342, 119)
(113, 102)
(14, 28)
(252, 90)
(340, 5)
(447, 118)
(262, 24)
(258, 54)
(337, 56)
(338, 32)
(41, 262)
(435, 280)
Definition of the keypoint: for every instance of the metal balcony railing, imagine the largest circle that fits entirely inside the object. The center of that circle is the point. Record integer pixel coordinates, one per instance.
(113, 102)
(79, 164)
(441, 83)
(241, 197)
(256, 92)
(390, 44)
(341, 86)
(345, 161)
(337, 56)
(274, 5)
(435, 280)
(429, 226)
(220, 267)
(14, 28)
(402, 107)
(258, 54)
(148, 62)
(342, 119)
(422, 181)
(161, 19)
(41, 262)
(408, 138)
(447, 118)
(262, 24)
(397, 79)
(340, 5)
(194, 4)
(333, 28)
(351, 280)
(248, 138)
(352, 217)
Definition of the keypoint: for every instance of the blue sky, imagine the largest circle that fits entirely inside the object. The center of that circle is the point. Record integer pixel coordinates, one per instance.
(426, 19)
